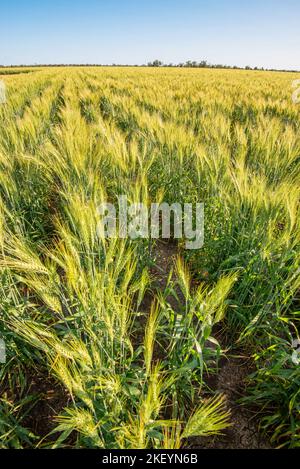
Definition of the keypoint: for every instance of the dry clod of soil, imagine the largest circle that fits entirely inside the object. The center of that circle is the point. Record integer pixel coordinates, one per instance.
(244, 432)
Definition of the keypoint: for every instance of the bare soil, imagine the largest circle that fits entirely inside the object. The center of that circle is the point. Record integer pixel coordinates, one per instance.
(52, 398)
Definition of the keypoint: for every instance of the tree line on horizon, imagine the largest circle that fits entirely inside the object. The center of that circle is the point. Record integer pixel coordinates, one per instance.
(158, 64)
(205, 64)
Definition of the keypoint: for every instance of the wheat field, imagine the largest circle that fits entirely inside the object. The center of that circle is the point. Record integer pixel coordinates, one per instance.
(107, 347)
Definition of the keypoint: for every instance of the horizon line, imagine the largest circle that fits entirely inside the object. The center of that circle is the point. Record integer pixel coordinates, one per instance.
(150, 65)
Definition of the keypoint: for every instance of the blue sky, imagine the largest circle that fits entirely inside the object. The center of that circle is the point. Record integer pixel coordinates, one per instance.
(253, 32)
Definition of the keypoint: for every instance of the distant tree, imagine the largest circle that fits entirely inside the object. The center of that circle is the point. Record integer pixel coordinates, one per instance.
(155, 63)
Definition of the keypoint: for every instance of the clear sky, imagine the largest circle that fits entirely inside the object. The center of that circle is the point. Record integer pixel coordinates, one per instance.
(264, 33)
